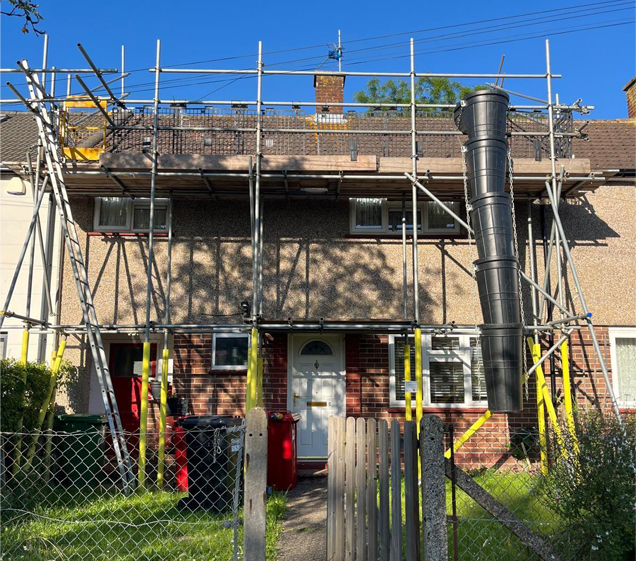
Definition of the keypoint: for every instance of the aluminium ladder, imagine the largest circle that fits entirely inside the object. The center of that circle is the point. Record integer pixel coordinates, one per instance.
(47, 134)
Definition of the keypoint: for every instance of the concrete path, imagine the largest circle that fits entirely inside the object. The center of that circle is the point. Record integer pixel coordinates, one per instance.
(304, 535)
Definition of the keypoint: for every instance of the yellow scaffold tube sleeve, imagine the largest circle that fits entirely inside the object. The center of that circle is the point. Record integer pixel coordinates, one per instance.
(163, 410)
(25, 347)
(259, 389)
(143, 416)
(408, 409)
(418, 377)
(252, 373)
(567, 395)
(543, 441)
(472, 430)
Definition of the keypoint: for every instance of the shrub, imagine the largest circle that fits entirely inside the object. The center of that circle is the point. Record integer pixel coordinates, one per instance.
(20, 399)
(593, 491)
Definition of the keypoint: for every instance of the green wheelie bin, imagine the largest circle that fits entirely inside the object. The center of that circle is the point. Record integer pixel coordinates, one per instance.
(82, 449)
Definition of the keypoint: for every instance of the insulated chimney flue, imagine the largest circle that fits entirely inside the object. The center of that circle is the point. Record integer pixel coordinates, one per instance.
(482, 116)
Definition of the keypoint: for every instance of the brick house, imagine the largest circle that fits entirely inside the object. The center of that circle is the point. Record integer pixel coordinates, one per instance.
(333, 250)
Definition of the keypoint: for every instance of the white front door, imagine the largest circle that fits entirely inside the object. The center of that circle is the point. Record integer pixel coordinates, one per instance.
(316, 389)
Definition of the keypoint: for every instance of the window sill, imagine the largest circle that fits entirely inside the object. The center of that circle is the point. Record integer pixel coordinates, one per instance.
(420, 236)
(450, 409)
(231, 371)
(129, 234)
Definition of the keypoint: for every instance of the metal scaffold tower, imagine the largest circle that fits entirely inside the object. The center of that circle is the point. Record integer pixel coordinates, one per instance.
(46, 108)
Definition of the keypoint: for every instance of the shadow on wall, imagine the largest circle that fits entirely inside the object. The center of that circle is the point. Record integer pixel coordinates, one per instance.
(312, 268)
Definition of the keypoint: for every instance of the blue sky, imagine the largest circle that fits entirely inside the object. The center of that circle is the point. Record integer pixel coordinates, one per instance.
(596, 61)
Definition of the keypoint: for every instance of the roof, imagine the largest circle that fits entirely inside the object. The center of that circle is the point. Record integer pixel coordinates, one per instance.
(611, 145)
(18, 133)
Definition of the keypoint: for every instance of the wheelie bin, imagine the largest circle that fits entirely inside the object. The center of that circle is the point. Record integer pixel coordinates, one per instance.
(282, 473)
(212, 456)
(82, 451)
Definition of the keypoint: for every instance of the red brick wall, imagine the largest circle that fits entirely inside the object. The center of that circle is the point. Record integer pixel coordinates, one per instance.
(630, 92)
(222, 392)
(329, 89)
(367, 386)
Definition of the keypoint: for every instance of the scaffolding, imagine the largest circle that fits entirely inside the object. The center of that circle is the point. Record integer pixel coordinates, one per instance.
(159, 126)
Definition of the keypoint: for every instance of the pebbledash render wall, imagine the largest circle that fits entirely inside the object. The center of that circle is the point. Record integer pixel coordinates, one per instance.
(315, 268)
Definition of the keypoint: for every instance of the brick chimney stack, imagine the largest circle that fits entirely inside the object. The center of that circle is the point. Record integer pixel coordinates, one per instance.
(329, 89)
(630, 92)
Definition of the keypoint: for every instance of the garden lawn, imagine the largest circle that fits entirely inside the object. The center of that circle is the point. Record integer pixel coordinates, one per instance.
(109, 527)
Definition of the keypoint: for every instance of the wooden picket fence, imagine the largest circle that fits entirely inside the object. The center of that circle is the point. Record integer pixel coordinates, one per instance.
(365, 492)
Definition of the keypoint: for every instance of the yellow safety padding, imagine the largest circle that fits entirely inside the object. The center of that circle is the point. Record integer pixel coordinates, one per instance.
(408, 410)
(163, 410)
(472, 430)
(24, 355)
(252, 373)
(535, 349)
(143, 416)
(567, 395)
(259, 389)
(418, 377)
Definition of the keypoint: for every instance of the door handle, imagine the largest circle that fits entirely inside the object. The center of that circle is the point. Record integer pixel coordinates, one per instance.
(294, 397)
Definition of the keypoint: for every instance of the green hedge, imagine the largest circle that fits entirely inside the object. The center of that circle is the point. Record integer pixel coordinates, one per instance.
(24, 400)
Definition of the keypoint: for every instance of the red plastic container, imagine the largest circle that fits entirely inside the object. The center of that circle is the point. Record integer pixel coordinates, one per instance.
(181, 463)
(282, 473)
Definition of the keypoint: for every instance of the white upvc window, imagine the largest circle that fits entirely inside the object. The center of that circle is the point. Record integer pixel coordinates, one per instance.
(623, 356)
(122, 214)
(452, 371)
(4, 340)
(230, 351)
(379, 216)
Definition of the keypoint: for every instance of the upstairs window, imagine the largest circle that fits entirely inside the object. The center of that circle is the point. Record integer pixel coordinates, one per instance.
(121, 214)
(379, 216)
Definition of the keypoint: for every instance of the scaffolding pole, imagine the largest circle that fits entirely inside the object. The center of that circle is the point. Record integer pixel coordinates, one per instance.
(143, 416)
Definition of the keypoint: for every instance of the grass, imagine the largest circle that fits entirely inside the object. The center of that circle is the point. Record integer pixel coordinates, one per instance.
(480, 536)
(103, 526)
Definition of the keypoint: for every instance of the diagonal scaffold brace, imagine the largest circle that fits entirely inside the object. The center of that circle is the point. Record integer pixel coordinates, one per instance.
(47, 133)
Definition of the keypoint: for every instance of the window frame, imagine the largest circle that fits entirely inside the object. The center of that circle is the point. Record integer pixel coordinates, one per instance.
(132, 204)
(463, 353)
(387, 205)
(619, 333)
(4, 338)
(228, 335)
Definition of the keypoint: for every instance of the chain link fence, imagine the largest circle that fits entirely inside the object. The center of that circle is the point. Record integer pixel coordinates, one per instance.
(62, 497)
(510, 469)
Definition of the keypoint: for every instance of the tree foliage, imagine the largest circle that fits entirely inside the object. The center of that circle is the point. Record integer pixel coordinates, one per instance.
(427, 90)
(28, 11)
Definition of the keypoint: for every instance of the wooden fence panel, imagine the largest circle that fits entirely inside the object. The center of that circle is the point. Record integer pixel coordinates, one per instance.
(396, 493)
(350, 489)
(372, 491)
(332, 446)
(340, 490)
(361, 480)
(385, 536)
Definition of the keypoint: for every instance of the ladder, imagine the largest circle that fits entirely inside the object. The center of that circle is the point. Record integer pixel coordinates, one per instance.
(48, 136)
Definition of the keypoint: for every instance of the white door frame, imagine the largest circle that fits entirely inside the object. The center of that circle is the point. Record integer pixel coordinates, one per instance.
(293, 348)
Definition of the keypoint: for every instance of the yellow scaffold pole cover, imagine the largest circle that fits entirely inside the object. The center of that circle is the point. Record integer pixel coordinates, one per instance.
(143, 416)
(25, 347)
(543, 388)
(466, 436)
(259, 389)
(408, 407)
(418, 377)
(535, 349)
(252, 373)
(163, 410)
(567, 395)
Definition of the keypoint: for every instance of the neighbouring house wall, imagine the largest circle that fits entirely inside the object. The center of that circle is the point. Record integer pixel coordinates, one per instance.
(16, 211)
(314, 268)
